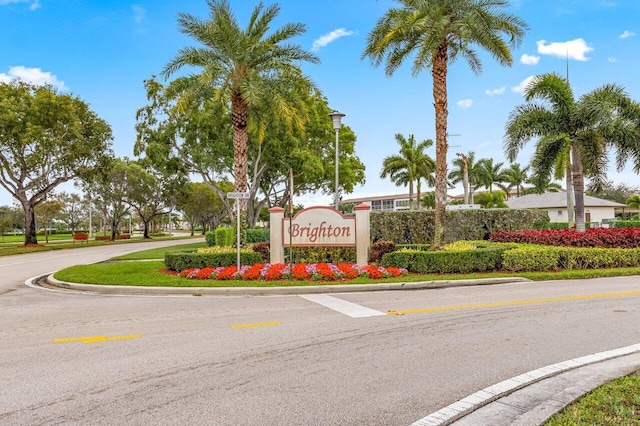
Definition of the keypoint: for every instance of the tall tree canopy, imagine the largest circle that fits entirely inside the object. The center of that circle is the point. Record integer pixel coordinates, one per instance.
(599, 122)
(46, 138)
(244, 68)
(435, 33)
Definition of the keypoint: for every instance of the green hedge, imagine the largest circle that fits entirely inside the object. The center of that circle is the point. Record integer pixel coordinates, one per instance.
(210, 238)
(187, 260)
(322, 254)
(446, 262)
(565, 225)
(225, 237)
(416, 227)
(536, 258)
(626, 224)
(258, 235)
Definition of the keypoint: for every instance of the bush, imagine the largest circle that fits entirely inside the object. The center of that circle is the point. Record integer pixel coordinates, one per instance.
(446, 262)
(210, 238)
(594, 237)
(626, 224)
(334, 255)
(187, 260)
(416, 227)
(123, 237)
(264, 249)
(225, 237)
(103, 238)
(537, 258)
(258, 235)
(379, 249)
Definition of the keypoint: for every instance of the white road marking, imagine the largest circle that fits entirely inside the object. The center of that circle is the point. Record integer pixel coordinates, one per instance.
(347, 308)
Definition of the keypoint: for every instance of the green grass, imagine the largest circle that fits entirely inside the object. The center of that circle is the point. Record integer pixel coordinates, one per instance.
(148, 274)
(613, 404)
(159, 252)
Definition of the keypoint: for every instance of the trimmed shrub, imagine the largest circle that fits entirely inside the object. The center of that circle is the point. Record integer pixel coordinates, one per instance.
(446, 262)
(334, 255)
(594, 237)
(210, 238)
(416, 227)
(626, 224)
(258, 235)
(103, 238)
(123, 237)
(187, 260)
(264, 249)
(537, 258)
(379, 249)
(225, 237)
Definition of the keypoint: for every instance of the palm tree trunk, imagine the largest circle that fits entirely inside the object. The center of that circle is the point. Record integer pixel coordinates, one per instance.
(239, 119)
(570, 196)
(439, 74)
(465, 179)
(577, 175)
(418, 188)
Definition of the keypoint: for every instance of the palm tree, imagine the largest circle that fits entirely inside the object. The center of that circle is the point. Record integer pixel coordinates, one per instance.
(490, 173)
(515, 176)
(599, 121)
(490, 200)
(633, 201)
(434, 33)
(468, 171)
(410, 165)
(540, 185)
(245, 68)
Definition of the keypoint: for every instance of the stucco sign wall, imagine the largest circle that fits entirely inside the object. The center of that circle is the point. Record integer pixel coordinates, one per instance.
(319, 226)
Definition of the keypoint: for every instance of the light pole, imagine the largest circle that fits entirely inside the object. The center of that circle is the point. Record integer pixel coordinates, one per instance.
(336, 117)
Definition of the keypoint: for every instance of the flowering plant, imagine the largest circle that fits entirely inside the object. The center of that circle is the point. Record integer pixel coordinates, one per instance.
(593, 237)
(298, 271)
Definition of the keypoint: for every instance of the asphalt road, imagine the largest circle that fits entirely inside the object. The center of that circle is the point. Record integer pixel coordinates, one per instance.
(85, 359)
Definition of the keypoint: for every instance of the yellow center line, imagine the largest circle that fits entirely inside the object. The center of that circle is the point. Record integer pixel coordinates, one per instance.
(515, 302)
(259, 324)
(95, 339)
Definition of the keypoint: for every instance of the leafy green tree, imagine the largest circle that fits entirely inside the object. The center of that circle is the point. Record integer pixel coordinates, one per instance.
(46, 138)
(429, 200)
(201, 205)
(72, 209)
(618, 192)
(435, 33)
(46, 211)
(403, 169)
(601, 121)
(633, 201)
(245, 68)
(11, 219)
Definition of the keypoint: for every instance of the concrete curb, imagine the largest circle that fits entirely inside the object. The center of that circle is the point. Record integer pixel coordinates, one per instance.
(458, 410)
(265, 291)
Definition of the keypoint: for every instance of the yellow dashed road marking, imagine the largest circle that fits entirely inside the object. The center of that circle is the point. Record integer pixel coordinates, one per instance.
(515, 303)
(96, 339)
(259, 324)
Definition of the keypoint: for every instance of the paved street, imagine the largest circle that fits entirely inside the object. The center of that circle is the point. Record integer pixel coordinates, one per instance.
(71, 358)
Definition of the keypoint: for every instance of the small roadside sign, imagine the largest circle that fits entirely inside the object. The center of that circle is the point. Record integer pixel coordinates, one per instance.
(237, 195)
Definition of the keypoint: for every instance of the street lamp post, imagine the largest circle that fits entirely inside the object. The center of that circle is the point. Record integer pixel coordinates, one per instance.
(336, 117)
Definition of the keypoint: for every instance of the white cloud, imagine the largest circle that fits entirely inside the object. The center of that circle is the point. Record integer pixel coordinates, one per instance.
(139, 13)
(523, 85)
(573, 49)
(35, 4)
(465, 103)
(32, 75)
(529, 59)
(612, 59)
(328, 38)
(627, 34)
(498, 91)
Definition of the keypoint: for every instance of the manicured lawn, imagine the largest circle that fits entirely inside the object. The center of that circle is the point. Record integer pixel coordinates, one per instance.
(148, 274)
(159, 252)
(613, 404)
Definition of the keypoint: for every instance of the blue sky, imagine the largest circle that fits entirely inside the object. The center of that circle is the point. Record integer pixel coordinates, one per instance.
(102, 50)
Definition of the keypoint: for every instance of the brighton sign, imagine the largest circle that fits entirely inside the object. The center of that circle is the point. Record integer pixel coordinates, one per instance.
(320, 226)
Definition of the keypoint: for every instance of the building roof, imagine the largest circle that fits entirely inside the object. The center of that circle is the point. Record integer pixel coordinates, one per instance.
(550, 200)
(404, 196)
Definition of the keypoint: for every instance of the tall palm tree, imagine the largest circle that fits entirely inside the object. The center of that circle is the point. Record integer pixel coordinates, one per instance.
(410, 165)
(468, 171)
(435, 33)
(599, 121)
(515, 176)
(245, 68)
(634, 201)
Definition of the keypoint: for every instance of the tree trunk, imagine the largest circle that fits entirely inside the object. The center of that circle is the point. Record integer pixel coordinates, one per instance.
(439, 73)
(146, 229)
(30, 231)
(570, 196)
(239, 118)
(577, 175)
(465, 179)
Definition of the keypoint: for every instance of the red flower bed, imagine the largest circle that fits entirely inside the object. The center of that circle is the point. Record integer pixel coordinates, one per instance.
(594, 237)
